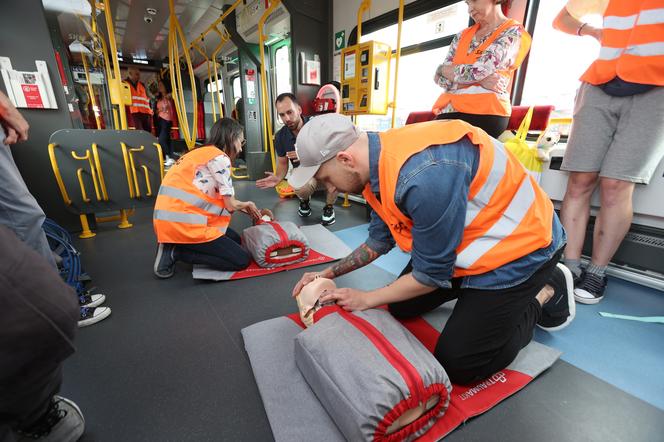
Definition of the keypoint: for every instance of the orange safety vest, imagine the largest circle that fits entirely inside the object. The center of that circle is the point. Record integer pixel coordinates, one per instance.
(140, 103)
(473, 98)
(632, 44)
(182, 213)
(507, 217)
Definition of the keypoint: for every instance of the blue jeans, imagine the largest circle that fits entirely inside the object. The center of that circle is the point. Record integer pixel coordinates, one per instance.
(224, 253)
(164, 132)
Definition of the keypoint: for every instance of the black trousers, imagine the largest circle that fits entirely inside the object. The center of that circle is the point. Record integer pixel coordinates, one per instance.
(487, 328)
(224, 253)
(38, 317)
(164, 133)
(142, 121)
(494, 125)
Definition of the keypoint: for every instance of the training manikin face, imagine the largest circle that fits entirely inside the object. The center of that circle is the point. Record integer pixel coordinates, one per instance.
(308, 299)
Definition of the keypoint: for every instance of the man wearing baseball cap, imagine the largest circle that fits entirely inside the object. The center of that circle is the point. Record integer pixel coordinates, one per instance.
(479, 230)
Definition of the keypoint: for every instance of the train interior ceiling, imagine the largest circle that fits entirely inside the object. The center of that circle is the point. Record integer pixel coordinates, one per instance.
(170, 363)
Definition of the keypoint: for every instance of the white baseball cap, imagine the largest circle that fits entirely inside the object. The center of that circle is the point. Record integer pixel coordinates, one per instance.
(318, 141)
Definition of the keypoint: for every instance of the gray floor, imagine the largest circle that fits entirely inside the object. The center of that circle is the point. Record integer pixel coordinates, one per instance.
(169, 364)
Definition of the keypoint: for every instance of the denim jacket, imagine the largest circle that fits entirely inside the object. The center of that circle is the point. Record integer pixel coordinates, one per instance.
(432, 190)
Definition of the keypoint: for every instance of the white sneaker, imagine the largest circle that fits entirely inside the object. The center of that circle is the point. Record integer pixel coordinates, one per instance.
(169, 162)
(93, 315)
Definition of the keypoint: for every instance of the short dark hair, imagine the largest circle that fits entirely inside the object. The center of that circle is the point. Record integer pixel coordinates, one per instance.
(223, 135)
(283, 96)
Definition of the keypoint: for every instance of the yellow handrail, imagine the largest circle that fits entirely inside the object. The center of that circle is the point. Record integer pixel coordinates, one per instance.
(267, 121)
(125, 156)
(396, 65)
(133, 167)
(58, 176)
(175, 37)
(147, 180)
(84, 194)
(217, 22)
(161, 160)
(115, 81)
(100, 173)
(88, 157)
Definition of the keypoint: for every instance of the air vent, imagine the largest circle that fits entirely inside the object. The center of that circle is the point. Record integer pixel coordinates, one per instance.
(651, 241)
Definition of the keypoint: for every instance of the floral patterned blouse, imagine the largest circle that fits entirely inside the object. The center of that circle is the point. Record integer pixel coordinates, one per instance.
(498, 56)
(214, 178)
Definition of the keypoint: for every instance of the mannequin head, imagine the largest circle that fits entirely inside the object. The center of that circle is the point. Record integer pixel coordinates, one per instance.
(307, 300)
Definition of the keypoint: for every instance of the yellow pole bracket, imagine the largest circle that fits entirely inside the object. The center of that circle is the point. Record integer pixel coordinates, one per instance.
(87, 157)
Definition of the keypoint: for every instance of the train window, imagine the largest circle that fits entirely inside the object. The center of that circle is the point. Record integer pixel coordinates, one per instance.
(212, 87)
(556, 61)
(282, 69)
(416, 89)
(237, 88)
(426, 27)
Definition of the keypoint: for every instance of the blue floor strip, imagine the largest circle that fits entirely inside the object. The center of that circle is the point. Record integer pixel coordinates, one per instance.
(626, 354)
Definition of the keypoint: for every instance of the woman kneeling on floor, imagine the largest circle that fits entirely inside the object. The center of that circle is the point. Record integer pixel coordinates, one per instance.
(194, 206)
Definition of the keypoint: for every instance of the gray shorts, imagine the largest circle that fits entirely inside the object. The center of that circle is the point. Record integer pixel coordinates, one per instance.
(619, 137)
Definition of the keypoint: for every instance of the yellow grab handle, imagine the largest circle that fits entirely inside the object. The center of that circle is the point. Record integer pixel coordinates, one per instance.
(58, 176)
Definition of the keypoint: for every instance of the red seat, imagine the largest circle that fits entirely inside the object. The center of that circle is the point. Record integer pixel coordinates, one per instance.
(540, 121)
(420, 117)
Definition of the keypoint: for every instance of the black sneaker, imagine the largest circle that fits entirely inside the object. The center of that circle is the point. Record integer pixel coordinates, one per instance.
(89, 299)
(63, 421)
(328, 215)
(560, 310)
(89, 316)
(305, 209)
(164, 263)
(591, 288)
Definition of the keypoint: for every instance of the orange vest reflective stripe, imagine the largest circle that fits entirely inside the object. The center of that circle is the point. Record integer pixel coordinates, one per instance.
(473, 98)
(182, 213)
(140, 103)
(632, 44)
(507, 216)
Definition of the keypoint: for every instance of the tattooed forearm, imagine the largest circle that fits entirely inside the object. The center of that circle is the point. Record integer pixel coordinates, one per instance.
(360, 257)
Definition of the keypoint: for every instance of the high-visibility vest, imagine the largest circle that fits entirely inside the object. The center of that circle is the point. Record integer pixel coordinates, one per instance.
(183, 214)
(140, 103)
(632, 44)
(473, 98)
(507, 217)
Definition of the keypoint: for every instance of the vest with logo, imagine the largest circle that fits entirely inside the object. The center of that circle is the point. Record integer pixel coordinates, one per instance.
(508, 215)
(140, 103)
(632, 44)
(183, 214)
(473, 98)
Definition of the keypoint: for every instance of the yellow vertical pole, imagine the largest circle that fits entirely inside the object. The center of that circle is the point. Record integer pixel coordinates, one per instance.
(113, 49)
(267, 127)
(91, 90)
(396, 67)
(366, 4)
(212, 92)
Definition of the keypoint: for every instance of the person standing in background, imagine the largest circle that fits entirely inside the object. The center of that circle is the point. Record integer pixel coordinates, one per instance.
(478, 69)
(140, 103)
(164, 122)
(617, 139)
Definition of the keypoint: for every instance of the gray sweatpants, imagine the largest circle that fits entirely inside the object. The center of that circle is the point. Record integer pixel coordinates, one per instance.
(19, 210)
(619, 137)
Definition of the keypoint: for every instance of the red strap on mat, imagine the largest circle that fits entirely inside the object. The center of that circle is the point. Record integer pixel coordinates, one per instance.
(283, 243)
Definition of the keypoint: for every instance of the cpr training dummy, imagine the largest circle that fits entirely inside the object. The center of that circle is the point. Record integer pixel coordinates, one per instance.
(275, 244)
(374, 378)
